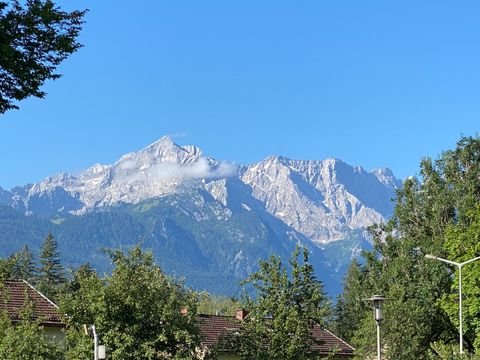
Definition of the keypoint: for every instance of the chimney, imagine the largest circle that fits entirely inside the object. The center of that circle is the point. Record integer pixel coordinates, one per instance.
(241, 314)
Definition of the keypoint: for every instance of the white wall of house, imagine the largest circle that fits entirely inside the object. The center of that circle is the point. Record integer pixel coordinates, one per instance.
(55, 333)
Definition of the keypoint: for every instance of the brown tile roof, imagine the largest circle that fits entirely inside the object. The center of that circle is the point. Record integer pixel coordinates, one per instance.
(215, 328)
(13, 297)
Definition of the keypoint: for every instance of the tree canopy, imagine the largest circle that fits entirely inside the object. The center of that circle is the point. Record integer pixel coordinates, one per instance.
(137, 311)
(26, 339)
(287, 302)
(436, 213)
(35, 37)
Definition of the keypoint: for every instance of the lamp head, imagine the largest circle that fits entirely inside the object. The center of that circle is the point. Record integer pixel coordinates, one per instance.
(431, 257)
(378, 306)
(87, 329)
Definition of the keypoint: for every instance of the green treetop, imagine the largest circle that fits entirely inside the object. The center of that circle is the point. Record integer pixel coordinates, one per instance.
(51, 274)
(35, 37)
(25, 265)
(287, 302)
(137, 311)
(431, 212)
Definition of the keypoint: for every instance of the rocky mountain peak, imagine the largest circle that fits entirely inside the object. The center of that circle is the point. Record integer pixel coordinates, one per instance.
(163, 150)
(386, 177)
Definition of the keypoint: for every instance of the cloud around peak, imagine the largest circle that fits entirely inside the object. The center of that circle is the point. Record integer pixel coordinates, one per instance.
(132, 171)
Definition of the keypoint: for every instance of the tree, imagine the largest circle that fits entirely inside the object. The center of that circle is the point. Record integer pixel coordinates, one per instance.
(462, 244)
(137, 310)
(84, 302)
(51, 275)
(35, 37)
(217, 305)
(25, 265)
(350, 307)
(283, 310)
(7, 268)
(440, 351)
(430, 213)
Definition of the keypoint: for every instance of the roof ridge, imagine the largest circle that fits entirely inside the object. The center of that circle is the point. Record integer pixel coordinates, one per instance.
(223, 316)
(335, 336)
(42, 295)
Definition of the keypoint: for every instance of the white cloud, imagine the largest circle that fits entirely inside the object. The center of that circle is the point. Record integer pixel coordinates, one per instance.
(131, 171)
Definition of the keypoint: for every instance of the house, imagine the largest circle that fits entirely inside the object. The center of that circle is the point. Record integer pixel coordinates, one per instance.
(218, 330)
(16, 293)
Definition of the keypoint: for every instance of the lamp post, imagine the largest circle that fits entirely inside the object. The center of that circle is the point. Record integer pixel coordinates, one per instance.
(91, 330)
(378, 315)
(99, 351)
(459, 265)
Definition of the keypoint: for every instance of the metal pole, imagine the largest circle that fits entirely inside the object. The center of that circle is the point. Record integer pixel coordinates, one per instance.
(95, 343)
(379, 348)
(460, 317)
(459, 265)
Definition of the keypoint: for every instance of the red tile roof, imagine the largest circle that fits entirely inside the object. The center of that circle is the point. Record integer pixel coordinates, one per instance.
(215, 328)
(14, 295)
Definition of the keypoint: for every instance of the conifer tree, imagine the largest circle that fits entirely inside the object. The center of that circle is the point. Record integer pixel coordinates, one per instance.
(51, 275)
(25, 265)
(350, 307)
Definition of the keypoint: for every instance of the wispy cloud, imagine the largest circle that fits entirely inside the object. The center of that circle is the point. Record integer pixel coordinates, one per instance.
(131, 171)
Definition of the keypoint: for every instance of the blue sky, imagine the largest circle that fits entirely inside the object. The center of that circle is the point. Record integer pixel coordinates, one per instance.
(374, 83)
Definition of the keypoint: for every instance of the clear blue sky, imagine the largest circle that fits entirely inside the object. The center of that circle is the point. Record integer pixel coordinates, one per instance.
(374, 83)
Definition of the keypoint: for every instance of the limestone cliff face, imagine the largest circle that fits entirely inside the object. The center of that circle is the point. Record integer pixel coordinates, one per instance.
(323, 200)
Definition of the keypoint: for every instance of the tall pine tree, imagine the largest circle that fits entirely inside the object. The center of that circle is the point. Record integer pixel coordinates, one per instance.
(51, 275)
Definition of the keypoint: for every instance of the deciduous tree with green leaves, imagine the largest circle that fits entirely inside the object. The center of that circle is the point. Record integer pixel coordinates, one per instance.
(35, 37)
(287, 302)
(462, 244)
(137, 310)
(431, 211)
(26, 339)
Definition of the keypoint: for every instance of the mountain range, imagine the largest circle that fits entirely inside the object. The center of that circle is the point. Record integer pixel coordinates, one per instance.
(206, 220)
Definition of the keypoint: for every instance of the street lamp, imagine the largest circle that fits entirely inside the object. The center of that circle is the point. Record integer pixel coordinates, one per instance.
(92, 332)
(378, 315)
(99, 351)
(459, 265)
